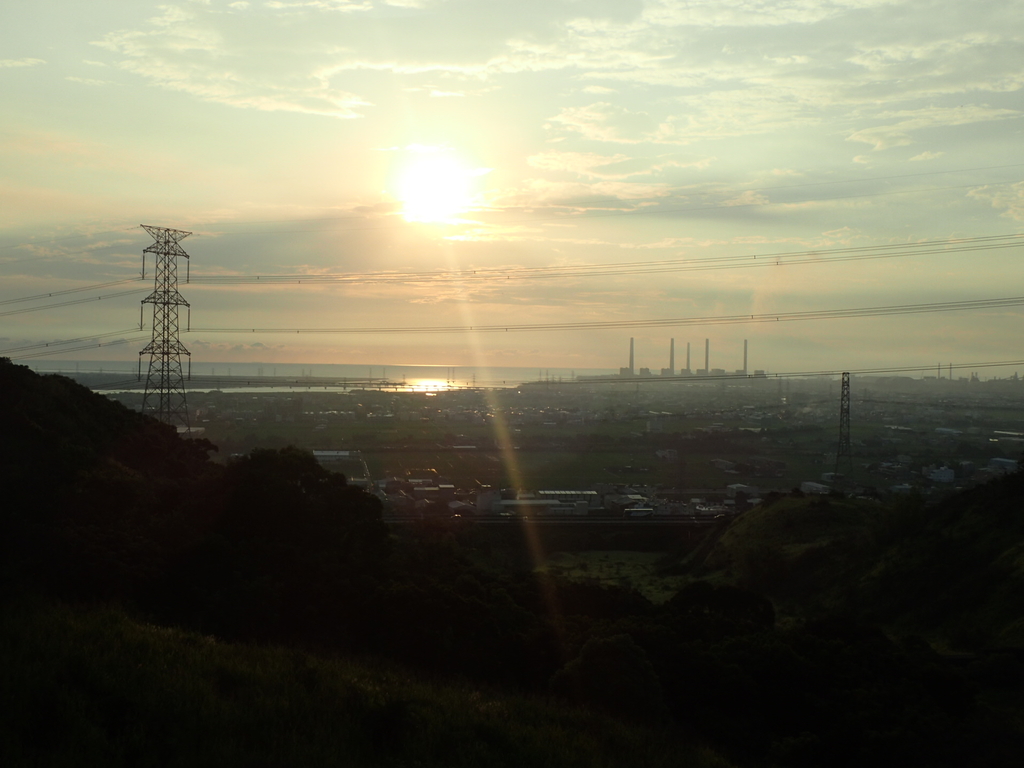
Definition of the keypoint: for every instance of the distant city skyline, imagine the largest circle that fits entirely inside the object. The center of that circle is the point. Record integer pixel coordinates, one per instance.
(579, 162)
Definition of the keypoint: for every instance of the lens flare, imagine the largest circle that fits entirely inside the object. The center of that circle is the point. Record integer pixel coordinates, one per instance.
(503, 439)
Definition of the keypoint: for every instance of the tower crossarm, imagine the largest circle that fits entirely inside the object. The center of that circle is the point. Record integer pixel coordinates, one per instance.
(166, 297)
(166, 241)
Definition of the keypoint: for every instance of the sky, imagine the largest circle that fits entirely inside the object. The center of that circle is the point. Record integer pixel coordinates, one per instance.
(486, 163)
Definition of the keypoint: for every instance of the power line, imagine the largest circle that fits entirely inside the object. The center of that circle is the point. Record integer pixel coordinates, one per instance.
(70, 303)
(788, 258)
(78, 237)
(70, 290)
(822, 314)
(821, 256)
(46, 344)
(65, 350)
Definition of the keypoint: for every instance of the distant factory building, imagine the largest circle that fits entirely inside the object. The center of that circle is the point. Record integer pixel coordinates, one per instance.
(1002, 465)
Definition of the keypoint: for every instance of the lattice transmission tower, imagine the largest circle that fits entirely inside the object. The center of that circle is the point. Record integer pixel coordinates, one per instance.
(164, 397)
(843, 448)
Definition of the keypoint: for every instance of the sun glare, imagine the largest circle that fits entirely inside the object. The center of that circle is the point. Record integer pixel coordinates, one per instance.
(435, 188)
(428, 385)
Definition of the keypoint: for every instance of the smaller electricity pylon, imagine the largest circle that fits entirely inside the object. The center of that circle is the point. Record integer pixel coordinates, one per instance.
(164, 397)
(843, 448)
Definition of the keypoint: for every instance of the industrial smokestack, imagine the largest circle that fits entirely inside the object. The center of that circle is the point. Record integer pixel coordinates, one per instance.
(707, 356)
(672, 357)
(687, 357)
(631, 369)
(744, 357)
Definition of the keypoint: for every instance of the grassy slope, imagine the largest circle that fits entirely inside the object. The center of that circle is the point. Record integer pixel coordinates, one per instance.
(92, 687)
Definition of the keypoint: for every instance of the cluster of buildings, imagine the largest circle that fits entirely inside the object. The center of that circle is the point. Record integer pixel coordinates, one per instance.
(424, 493)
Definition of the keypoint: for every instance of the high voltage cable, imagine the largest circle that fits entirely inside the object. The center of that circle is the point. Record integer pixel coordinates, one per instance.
(66, 291)
(788, 258)
(827, 256)
(71, 303)
(823, 314)
(45, 344)
(65, 350)
(131, 383)
(137, 226)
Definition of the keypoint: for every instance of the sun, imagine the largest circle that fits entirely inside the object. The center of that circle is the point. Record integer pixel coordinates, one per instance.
(435, 189)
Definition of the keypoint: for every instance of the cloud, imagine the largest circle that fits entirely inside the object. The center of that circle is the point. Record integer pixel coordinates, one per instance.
(21, 62)
(343, 6)
(750, 197)
(597, 166)
(600, 195)
(742, 13)
(184, 52)
(898, 134)
(604, 121)
(1008, 199)
(926, 156)
(580, 163)
(87, 81)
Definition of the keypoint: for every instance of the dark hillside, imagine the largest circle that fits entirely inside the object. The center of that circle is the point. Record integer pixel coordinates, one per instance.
(953, 572)
(800, 552)
(94, 687)
(85, 482)
(54, 427)
(956, 570)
